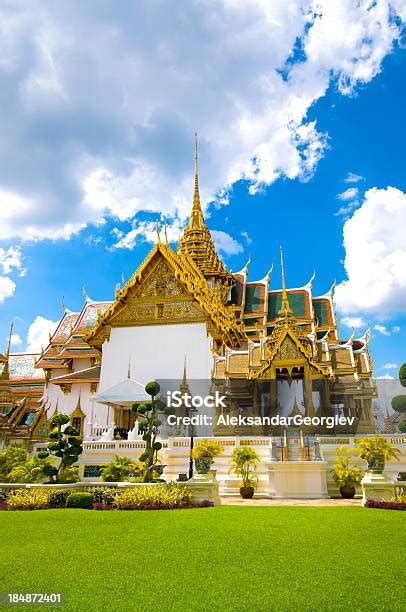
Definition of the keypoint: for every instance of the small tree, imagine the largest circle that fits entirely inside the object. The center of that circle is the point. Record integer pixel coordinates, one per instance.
(344, 474)
(402, 374)
(244, 461)
(65, 444)
(399, 403)
(147, 414)
(402, 426)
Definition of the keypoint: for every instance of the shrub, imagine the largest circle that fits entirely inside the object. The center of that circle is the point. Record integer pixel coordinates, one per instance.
(30, 471)
(58, 497)
(70, 474)
(399, 403)
(81, 499)
(28, 499)
(11, 458)
(205, 503)
(103, 495)
(402, 426)
(402, 374)
(385, 505)
(4, 494)
(122, 468)
(154, 497)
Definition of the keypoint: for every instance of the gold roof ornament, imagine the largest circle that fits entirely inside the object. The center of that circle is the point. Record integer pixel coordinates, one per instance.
(158, 237)
(285, 308)
(196, 241)
(184, 387)
(6, 395)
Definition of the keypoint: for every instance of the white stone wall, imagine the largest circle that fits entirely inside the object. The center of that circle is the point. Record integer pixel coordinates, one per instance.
(156, 351)
(175, 454)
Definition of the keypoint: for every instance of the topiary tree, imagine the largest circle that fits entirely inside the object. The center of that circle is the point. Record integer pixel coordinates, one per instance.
(65, 444)
(399, 403)
(402, 374)
(147, 414)
(402, 426)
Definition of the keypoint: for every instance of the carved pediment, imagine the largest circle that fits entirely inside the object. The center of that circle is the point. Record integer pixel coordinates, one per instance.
(288, 351)
(160, 283)
(160, 298)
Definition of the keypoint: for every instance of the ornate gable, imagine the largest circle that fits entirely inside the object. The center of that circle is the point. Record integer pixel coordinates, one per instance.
(157, 297)
(289, 344)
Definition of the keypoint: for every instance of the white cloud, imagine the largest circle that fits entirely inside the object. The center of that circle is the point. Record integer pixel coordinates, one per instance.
(15, 340)
(353, 321)
(375, 255)
(247, 237)
(350, 197)
(382, 330)
(100, 137)
(145, 231)
(353, 178)
(385, 377)
(390, 366)
(225, 243)
(395, 329)
(348, 194)
(11, 259)
(7, 288)
(38, 333)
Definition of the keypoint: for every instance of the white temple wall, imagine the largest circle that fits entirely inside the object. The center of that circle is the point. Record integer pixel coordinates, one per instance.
(80, 364)
(156, 351)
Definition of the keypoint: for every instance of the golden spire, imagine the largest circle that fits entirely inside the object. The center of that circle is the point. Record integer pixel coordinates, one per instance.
(184, 387)
(184, 371)
(196, 218)
(196, 241)
(5, 372)
(285, 307)
(6, 396)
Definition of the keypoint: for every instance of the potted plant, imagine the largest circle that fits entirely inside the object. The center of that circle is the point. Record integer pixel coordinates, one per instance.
(244, 461)
(204, 454)
(346, 476)
(376, 450)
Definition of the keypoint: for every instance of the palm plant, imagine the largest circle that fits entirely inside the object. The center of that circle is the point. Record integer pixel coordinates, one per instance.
(244, 461)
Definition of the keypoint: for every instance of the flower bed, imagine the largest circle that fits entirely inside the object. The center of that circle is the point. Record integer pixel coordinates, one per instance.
(166, 496)
(385, 505)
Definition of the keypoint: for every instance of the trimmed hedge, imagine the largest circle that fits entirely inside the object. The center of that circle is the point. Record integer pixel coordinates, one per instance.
(385, 505)
(82, 499)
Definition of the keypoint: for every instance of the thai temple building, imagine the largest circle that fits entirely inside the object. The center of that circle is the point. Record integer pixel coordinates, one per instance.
(271, 349)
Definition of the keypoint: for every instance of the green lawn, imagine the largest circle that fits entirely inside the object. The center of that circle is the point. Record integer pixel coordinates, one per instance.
(226, 558)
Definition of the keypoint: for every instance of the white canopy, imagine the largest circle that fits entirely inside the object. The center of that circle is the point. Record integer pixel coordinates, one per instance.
(123, 394)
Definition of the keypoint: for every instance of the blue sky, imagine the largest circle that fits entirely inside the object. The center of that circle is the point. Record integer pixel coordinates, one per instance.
(301, 128)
